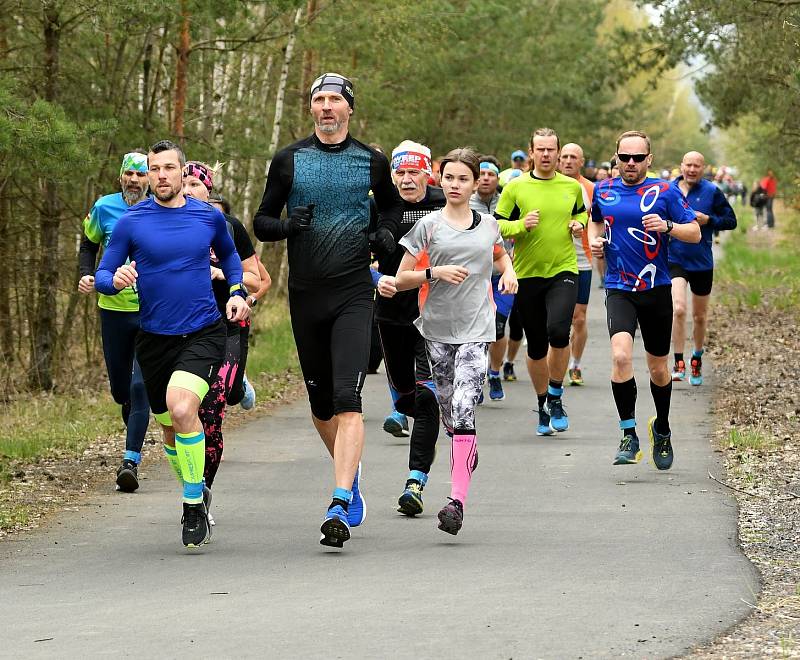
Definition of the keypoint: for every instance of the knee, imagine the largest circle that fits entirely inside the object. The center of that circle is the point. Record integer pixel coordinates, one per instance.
(183, 413)
(558, 334)
(537, 350)
(659, 373)
(699, 318)
(346, 401)
(679, 308)
(621, 360)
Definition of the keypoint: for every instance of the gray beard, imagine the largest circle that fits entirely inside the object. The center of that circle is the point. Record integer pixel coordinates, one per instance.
(330, 128)
(132, 198)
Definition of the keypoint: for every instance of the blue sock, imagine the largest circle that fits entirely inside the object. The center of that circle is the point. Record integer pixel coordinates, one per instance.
(134, 456)
(697, 353)
(416, 475)
(494, 374)
(342, 495)
(628, 425)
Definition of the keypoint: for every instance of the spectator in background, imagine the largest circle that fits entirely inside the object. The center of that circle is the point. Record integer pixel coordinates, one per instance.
(590, 171)
(770, 185)
(758, 200)
(519, 165)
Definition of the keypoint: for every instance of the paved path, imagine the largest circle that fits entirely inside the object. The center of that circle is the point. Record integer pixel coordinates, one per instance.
(562, 555)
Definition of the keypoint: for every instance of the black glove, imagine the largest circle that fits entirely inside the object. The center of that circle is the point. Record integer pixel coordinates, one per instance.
(382, 242)
(299, 220)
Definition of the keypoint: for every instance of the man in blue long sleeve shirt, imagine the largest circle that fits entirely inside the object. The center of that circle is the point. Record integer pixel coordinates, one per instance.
(693, 264)
(181, 345)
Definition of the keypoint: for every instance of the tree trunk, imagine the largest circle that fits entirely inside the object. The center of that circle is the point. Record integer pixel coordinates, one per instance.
(46, 307)
(182, 73)
(6, 327)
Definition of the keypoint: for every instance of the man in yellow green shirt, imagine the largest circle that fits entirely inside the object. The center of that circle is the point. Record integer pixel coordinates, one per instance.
(550, 211)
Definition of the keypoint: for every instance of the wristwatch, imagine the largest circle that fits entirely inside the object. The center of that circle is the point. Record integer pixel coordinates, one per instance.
(251, 301)
(429, 274)
(669, 226)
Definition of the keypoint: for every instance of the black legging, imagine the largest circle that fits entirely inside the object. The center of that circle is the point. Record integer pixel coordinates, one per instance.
(546, 305)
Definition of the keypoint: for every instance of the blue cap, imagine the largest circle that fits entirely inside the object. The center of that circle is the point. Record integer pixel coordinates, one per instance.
(519, 154)
(590, 163)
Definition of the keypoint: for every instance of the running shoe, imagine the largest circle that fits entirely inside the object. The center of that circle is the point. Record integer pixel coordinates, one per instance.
(545, 427)
(558, 416)
(660, 446)
(575, 377)
(508, 371)
(249, 398)
(410, 502)
(357, 509)
(451, 517)
(629, 452)
(679, 371)
(196, 530)
(496, 389)
(396, 424)
(696, 377)
(127, 476)
(480, 398)
(207, 502)
(335, 528)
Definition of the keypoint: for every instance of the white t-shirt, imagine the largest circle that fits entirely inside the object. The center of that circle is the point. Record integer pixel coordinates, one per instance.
(456, 313)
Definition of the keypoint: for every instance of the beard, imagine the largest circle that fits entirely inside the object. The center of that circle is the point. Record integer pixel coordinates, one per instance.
(166, 197)
(335, 127)
(134, 196)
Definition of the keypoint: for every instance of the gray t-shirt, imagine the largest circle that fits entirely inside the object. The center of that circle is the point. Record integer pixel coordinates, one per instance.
(456, 313)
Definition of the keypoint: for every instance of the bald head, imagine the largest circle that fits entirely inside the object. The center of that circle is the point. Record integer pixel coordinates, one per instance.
(570, 161)
(692, 167)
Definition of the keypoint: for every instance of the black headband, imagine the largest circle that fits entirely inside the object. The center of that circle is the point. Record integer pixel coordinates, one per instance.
(333, 82)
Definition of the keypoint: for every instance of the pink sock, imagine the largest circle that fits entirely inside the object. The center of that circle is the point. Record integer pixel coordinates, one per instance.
(462, 458)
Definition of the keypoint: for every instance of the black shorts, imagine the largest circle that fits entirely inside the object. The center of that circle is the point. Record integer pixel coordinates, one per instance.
(406, 362)
(199, 353)
(700, 281)
(515, 332)
(584, 286)
(651, 309)
(546, 305)
(500, 322)
(332, 326)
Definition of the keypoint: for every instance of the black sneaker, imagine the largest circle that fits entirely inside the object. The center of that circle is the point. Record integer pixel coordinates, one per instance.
(451, 517)
(508, 372)
(196, 530)
(127, 476)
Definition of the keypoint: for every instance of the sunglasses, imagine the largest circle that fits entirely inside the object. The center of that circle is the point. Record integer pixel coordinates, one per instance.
(637, 158)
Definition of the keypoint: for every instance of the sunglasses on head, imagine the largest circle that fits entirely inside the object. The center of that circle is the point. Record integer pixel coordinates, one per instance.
(637, 158)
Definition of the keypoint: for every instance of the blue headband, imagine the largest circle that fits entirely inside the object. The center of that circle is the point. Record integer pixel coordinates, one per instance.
(486, 165)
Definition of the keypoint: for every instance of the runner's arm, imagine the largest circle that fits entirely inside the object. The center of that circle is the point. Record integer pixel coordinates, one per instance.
(267, 223)
(722, 215)
(114, 256)
(87, 256)
(225, 249)
(504, 212)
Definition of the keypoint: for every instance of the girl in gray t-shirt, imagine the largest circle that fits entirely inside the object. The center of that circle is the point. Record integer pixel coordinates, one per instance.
(450, 254)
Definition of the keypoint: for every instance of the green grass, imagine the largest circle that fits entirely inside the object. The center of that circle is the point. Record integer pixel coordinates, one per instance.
(749, 438)
(35, 426)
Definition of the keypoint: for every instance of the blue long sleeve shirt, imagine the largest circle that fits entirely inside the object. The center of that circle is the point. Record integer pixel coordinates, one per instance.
(705, 197)
(171, 248)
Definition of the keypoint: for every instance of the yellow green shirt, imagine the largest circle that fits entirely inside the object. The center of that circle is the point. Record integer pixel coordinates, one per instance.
(547, 249)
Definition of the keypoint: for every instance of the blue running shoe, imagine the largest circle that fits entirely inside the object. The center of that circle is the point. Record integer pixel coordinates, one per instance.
(335, 529)
(410, 502)
(545, 427)
(558, 416)
(357, 509)
(249, 398)
(696, 375)
(629, 452)
(396, 424)
(496, 389)
(660, 446)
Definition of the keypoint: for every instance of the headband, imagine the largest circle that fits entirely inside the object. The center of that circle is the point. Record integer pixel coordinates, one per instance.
(199, 171)
(133, 161)
(333, 82)
(486, 165)
(412, 160)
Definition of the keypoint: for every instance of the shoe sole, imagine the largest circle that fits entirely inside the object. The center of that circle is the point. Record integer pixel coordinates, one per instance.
(550, 431)
(625, 461)
(509, 379)
(678, 379)
(497, 398)
(449, 523)
(334, 533)
(575, 383)
(553, 426)
(395, 428)
(127, 481)
(651, 422)
(409, 505)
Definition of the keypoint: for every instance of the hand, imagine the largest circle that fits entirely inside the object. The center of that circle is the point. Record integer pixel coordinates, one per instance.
(576, 228)
(217, 274)
(702, 218)
(86, 284)
(387, 287)
(125, 276)
(382, 242)
(653, 222)
(531, 220)
(300, 219)
(508, 282)
(451, 274)
(597, 246)
(237, 309)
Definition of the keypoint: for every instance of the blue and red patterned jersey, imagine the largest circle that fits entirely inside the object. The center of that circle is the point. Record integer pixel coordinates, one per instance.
(636, 260)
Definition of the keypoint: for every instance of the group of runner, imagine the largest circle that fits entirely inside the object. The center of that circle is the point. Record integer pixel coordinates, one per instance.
(454, 265)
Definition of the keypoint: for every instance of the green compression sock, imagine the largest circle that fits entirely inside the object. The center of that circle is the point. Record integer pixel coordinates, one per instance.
(191, 448)
(172, 458)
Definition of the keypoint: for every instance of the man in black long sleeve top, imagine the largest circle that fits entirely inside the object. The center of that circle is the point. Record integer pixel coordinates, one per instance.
(324, 181)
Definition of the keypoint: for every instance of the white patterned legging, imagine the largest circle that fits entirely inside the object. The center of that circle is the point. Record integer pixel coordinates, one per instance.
(459, 371)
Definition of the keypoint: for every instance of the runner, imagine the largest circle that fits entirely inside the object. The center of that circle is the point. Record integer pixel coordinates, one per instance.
(404, 355)
(552, 212)
(569, 164)
(119, 316)
(515, 336)
(694, 264)
(519, 165)
(450, 254)
(485, 201)
(324, 181)
(631, 217)
(227, 388)
(182, 340)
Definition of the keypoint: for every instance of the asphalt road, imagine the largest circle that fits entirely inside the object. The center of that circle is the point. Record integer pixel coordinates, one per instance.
(562, 555)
